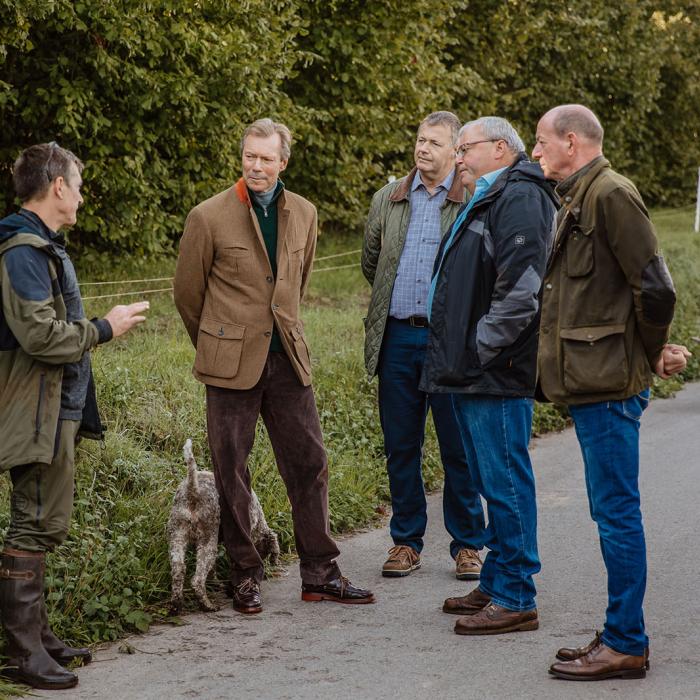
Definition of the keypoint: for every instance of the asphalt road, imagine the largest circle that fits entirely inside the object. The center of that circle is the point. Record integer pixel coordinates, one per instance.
(404, 647)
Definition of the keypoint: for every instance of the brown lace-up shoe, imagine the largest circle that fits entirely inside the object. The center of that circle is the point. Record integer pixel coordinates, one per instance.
(467, 564)
(599, 663)
(494, 619)
(402, 560)
(569, 653)
(467, 604)
(339, 590)
(246, 597)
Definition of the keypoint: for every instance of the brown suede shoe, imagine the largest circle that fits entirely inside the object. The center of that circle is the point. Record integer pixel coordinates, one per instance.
(401, 562)
(467, 564)
(570, 653)
(599, 663)
(246, 597)
(467, 604)
(494, 619)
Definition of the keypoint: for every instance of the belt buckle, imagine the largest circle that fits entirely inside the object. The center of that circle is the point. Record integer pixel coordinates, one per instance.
(417, 321)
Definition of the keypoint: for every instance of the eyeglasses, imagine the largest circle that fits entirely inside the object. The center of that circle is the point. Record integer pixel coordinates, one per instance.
(52, 146)
(467, 146)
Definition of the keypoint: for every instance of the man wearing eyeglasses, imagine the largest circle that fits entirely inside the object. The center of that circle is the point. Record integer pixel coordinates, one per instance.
(484, 309)
(48, 399)
(405, 224)
(607, 308)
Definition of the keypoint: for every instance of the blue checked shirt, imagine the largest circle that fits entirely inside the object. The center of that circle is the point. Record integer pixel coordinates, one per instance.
(410, 293)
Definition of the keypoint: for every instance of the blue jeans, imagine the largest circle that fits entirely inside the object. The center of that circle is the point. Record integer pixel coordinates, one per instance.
(496, 433)
(402, 412)
(608, 433)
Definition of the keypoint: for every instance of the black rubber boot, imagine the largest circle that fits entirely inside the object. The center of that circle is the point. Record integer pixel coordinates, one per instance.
(21, 605)
(58, 650)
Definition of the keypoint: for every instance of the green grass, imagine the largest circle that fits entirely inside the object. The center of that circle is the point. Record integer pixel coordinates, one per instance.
(112, 574)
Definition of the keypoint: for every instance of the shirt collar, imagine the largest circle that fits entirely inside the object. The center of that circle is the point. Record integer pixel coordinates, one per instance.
(487, 179)
(445, 184)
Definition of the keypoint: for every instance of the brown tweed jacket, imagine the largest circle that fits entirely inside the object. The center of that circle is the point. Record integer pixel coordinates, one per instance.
(225, 291)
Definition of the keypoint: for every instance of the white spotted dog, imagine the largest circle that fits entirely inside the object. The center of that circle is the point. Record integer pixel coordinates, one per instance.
(194, 519)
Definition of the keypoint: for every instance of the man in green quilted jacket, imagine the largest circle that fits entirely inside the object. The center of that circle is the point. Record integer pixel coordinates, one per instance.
(406, 221)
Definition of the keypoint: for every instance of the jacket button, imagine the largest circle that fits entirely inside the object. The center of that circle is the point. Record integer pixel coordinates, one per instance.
(275, 307)
(268, 334)
(269, 279)
(545, 329)
(589, 336)
(548, 285)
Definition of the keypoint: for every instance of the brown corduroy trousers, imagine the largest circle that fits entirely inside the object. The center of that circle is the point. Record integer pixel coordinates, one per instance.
(289, 412)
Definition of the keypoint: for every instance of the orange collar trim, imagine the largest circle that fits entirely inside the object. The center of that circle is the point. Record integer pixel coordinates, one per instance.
(242, 193)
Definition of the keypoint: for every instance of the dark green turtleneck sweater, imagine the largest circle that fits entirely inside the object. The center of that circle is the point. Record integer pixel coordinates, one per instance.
(266, 214)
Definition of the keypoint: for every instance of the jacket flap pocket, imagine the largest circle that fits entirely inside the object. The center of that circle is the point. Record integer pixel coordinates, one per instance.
(230, 331)
(589, 334)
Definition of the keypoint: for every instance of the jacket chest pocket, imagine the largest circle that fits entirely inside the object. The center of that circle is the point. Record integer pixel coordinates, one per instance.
(219, 347)
(579, 251)
(236, 258)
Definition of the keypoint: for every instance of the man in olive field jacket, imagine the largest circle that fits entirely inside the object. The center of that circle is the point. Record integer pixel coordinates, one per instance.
(608, 303)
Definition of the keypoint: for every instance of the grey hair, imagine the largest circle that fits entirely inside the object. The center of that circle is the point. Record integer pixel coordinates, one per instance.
(266, 127)
(579, 120)
(447, 119)
(498, 129)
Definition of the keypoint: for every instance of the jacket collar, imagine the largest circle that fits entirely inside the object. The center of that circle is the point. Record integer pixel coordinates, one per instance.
(455, 193)
(572, 196)
(241, 191)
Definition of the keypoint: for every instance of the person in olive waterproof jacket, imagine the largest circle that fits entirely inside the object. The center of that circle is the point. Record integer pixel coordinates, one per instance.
(484, 313)
(48, 398)
(608, 303)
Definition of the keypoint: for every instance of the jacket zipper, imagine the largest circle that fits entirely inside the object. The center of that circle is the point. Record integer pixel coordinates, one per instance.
(37, 421)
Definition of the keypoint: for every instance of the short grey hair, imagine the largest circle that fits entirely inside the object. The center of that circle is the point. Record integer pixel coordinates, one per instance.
(266, 127)
(448, 119)
(579, 120)
(498, 129)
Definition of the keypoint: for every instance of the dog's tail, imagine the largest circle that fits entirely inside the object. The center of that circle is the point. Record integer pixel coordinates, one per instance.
(192, 483)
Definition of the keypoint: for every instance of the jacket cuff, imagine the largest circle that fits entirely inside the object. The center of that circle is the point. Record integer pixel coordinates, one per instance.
(104, 330)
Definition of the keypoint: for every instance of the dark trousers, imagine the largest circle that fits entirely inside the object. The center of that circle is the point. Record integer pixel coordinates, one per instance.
(403, 409)
(289, 412)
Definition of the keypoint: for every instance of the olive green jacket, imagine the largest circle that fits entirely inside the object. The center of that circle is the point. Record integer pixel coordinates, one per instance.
(385, 236)
(36, 343)
(608, 299)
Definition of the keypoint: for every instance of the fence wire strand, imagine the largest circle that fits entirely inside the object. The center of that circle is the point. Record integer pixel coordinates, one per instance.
(170, 279)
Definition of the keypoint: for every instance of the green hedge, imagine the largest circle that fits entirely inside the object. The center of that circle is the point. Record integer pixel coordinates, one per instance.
(153, 95)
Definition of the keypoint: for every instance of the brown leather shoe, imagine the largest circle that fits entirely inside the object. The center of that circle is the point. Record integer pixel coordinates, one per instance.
(599, 663)
(494, 619)
(246, 597)
(467, 604)
(401, 562)
(467, 564)
(571, 653)
(339, 590)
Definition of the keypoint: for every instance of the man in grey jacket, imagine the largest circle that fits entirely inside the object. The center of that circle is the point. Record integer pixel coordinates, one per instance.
(406, 222)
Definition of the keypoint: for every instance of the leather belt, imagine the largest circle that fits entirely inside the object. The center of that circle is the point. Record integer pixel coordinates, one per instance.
(415, 321)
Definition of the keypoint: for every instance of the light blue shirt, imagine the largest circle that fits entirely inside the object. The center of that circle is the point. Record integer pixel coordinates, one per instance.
(412, 283)
(482, 186)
